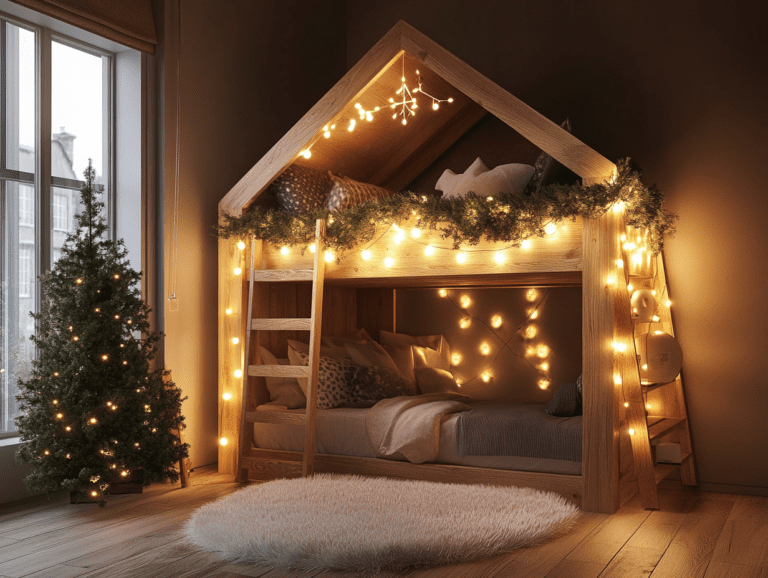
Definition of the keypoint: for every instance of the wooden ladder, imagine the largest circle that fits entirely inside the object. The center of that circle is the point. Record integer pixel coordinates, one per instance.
(661, 415)
(310, 371)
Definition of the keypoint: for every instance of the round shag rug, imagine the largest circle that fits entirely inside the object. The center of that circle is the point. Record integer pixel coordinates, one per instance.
(360, 524)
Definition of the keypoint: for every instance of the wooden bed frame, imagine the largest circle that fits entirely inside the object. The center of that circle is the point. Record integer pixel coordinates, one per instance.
(582, 253)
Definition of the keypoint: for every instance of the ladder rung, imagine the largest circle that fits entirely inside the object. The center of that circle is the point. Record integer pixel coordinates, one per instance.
(661, 471)
(651, 386)
(272, 275)
(662, 426)
(275, 417)
(281, 324)
(278, 370)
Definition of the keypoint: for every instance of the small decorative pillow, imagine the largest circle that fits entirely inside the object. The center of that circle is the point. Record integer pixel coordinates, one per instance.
(483, 182)
(433, 380)
(346, 193)
(372, 384)
(428, 357)
(546, 169)
(566, 401)
(282, 390)
(333, 389)
(370, 354)
(403, 358)
(301, 189)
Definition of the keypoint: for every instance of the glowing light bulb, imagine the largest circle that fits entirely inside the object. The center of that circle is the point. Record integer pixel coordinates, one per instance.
(618, 206)
(534, 314)
(530, 331)
(669, 303)
(486, 376)
(228, 311)
(69, 456)
(631, 431)
(465, 301)
(653, 292)
(123, 473)
(499, 257)
(550, 229)
(620, 347)
(329, 257)
(116, 276)
(429, 250)
(312, 248)
(306, 153)
(656, 318)
(617, 379)
(226, 396)
(55, 374)
(531, 294)
(544, 366)
(68, 428)
(620, 263)
(461, 257)
(435, 105)
(405, 122)
(443, 292)
(94, 493)
(526, 244)
(458, 382)
(366, 255)
(97, 310)
(645, 367)
(79, 281)
(465, 322)
(93, 420)
(399, 237)
(327, 134)
(630, 287)
(241, 245)
(623, 237)
(284, 250)
(75, 338)
(237, 270)
(485, 348)
(104, 357)
(657, 332)
(59, 415)
(455, 358)
(530, 351)
(238, 373)
(55, 402)
(496, 321)
(647, 406)
(389, 261)
(543, 383)
(415, 233)
(637, 258)
(351, 126)
(223, 441)
(542, 351)
(235, 340)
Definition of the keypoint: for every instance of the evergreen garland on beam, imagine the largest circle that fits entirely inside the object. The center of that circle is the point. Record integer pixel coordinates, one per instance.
(505, 218)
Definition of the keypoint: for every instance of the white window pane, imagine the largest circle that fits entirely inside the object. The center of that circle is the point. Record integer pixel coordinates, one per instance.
(20, 99)
(77, 105)
(65, 204)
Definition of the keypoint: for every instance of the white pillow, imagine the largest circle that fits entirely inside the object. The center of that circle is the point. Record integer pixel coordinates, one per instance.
(434, 380)
(282, 390)
(478, 179)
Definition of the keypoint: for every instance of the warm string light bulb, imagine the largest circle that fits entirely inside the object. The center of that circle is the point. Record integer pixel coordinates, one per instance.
(366, 255)
(496, 321)
(465, 301)
(617, 379)
(237, 270)
(543, 383)
(499, 258)
(531, 294)
(526, 244)
(223, 441)
(461, 257)
(530, 331)
(235, 340)
(550, 229)
(544, 366)
(465, 322)
(429, 250)
(329, 257)
(455, 358)
(619, 347)
(312, 248)
(486, 376)
(228, 311)
(443, 292)
(388, 262)
(485, 348)
(284, 250)
(226, 396)
(415, 233)
(241, 245)
(626, 404)
(542, 351)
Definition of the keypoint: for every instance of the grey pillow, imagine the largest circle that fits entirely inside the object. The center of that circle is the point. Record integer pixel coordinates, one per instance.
(371, 384)
(566, 401)
(301, 189)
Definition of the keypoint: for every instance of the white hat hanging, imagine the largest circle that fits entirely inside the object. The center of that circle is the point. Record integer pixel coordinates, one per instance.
(643, 306)
(661, 356)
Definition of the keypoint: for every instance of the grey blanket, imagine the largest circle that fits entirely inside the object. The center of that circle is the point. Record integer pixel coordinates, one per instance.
(507, 429)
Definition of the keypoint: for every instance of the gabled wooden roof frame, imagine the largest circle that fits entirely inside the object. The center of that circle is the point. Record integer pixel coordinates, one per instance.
(548, 136)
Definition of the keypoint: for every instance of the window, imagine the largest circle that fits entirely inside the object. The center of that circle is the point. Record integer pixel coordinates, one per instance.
(60, 213)
(77, 126)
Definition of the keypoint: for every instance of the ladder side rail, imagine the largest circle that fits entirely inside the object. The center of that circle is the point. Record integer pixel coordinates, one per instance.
(246, 436)
(314, 349)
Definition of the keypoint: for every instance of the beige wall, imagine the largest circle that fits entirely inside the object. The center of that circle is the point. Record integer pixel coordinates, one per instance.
(249, 71)
(680, 87)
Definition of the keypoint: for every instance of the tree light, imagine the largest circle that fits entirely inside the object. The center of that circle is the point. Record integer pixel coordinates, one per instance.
(59, 415)
(241, 245)
(116, 276)
(55, 374)
(496, 321)
(104, 357)
(366, 255)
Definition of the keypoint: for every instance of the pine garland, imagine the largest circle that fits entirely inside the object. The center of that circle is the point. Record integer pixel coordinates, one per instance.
(505, 218)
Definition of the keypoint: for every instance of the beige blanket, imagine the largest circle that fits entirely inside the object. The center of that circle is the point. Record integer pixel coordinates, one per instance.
(408, 427)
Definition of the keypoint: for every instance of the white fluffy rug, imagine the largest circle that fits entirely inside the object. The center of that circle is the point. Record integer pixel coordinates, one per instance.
(368, 524)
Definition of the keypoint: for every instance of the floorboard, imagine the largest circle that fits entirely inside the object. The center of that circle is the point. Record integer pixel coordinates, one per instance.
(693, 534)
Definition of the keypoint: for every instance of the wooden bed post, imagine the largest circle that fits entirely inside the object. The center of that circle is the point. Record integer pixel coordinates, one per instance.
(600, 449)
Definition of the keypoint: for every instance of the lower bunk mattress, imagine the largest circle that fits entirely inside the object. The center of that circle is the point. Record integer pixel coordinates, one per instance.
(504, 436)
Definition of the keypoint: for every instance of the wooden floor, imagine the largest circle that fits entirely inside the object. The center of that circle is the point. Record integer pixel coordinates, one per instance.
(694, 534)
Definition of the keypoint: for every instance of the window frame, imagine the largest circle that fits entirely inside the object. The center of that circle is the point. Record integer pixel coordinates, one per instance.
(41, 181)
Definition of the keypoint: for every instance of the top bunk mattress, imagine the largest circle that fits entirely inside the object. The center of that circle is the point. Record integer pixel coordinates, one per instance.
(496, 435)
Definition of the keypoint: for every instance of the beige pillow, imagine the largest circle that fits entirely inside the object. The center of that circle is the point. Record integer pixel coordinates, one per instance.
(282, 390)
(433, 380)
(403, 358)
(370, 354)
(390, 339)
(428, 357)
(335, 351)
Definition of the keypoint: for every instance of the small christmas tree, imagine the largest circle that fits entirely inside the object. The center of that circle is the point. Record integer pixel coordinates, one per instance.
(93, 409)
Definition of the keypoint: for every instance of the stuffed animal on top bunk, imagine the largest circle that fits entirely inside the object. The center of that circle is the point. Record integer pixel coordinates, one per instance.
(358, 372)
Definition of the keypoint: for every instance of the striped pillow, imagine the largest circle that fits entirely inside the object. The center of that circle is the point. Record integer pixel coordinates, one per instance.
(566, 401)
(345, 193)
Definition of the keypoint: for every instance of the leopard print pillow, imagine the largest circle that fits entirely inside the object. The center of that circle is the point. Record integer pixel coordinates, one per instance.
(345, 193)
(333, 388)
(301, 189)
(370, 384)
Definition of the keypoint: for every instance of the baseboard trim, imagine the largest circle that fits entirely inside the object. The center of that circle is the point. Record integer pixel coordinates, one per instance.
(733, 489)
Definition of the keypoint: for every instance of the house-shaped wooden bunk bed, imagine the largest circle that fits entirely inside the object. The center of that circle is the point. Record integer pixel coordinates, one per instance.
(583, 253)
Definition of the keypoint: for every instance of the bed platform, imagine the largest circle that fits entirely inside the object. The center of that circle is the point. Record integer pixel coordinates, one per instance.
(359, 292)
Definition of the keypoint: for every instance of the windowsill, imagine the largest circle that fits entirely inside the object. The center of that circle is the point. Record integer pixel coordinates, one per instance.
(14, 441)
